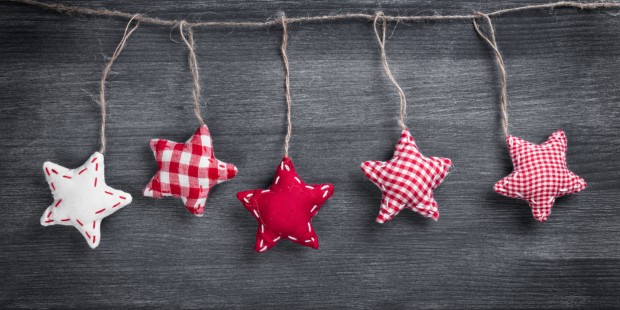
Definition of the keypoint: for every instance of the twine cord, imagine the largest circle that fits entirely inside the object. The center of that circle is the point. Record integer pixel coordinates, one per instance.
(193, 66)
(387, 70)
(490, 39)
(106, 71)
(287, 85)
(68, 9)
(189, 42)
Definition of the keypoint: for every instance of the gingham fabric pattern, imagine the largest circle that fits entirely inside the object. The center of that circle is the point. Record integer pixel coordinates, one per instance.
(188, 170)
(407, 180)
(540, 174)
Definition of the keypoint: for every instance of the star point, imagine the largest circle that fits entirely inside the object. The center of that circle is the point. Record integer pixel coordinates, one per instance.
(188, 170)
(82, 198)
(407, 180)
(540, 174)
(285, 209)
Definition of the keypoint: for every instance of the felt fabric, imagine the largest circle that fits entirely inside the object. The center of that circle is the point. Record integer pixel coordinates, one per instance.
(188, 170)
(286, 208)
(540, 174)
(81, 197)
(407, 180)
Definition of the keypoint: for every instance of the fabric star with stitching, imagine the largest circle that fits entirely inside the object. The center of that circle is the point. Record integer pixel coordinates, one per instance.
(188, 170)
(540, 174)
(81, 197)
(286, 208)
(407, 180)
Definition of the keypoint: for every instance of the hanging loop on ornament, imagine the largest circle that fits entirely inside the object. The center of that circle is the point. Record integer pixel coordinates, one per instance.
(386, 66)
(187, 35)
(287, 84)
(490, 39)
(128, 31)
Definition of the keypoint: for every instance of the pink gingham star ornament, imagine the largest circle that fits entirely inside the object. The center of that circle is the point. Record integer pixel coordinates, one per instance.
(407, 180)
(81, 197)
(540, 174)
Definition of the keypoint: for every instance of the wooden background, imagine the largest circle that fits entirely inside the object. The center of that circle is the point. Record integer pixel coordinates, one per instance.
(486, 251)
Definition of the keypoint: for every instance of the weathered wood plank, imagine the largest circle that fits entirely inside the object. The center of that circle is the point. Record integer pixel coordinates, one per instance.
(485, 252)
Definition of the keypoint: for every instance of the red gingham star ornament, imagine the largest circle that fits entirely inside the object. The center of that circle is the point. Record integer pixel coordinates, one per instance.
(81, 197)
(540, 174)
(286, 208)
(188, 170)
(407, 180)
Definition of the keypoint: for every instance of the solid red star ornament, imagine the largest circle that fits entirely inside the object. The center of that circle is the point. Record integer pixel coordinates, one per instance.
(540, 174)
(81, 197)
(188, 170)
(407, 180)
(286, 208)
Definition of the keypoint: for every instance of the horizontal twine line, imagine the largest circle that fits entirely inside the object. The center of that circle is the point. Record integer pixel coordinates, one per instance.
(67, 9)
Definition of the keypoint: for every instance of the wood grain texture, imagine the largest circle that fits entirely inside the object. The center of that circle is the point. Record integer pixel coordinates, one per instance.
(486, 251)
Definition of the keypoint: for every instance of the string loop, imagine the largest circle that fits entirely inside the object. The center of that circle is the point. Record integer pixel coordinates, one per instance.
(187, 35)
(106, 71)
(287, 84)
(386, 67)
(490, 39)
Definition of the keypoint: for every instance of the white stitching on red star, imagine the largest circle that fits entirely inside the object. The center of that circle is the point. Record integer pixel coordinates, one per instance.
(286, 208)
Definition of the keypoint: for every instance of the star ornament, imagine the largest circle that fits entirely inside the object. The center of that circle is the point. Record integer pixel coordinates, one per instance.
(286, 208)
(81, 197)
(540, 174)
(407, 180)
(188, 170)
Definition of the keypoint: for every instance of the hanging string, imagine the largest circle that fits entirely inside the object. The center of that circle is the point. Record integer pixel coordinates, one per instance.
(61, 8)
(287, 85)
(386, 68)
(193, 66)
(67, 9)
(490, 39)
(106, 71)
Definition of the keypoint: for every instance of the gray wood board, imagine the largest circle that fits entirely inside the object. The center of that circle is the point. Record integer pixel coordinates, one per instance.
(486, 251)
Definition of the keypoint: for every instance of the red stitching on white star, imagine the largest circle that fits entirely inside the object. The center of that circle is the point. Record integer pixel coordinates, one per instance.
(77, 195)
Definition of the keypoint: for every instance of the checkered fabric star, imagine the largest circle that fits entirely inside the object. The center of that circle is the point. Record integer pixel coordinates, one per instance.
(81, 197)
(188, 170)
(286, 208)
(540, 174)
(407, 180)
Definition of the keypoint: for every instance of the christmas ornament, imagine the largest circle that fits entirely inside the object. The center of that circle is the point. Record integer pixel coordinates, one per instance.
(81, 196)
(188, 170)
(408, 179)
(286, 208)
(540, 174)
